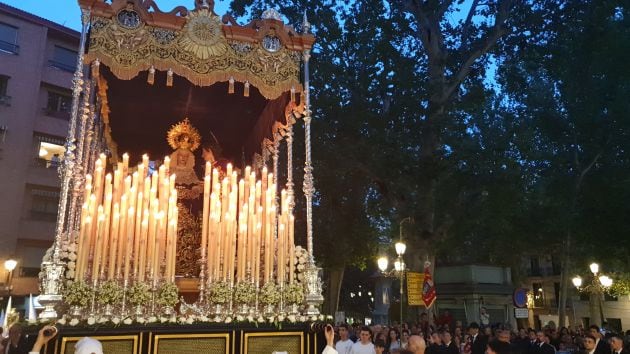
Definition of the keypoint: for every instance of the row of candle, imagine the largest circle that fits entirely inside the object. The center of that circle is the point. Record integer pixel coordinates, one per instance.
(128, 223)
(241, 224)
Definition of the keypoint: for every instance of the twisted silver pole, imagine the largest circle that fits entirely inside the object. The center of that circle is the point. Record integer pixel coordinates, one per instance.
(51, 280)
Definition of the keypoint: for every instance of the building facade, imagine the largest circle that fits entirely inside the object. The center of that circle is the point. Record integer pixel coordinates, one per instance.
(542, 279)
(37, 61)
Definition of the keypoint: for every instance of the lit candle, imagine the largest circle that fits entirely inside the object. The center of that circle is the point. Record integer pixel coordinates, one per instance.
(113, 242)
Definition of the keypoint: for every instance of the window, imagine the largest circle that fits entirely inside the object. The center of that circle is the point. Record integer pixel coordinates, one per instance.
(44, 203)
(64, 59)
(29, 272)
(49, 150)
(556, 265)
(5, 99)
(58, 104)
(534, 266)
(8, 39)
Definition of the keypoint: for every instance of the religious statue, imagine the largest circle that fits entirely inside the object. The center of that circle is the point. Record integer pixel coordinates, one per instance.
(184, 139)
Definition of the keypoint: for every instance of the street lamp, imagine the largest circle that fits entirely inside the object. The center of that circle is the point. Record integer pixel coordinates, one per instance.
(10, 265)
(598, 284)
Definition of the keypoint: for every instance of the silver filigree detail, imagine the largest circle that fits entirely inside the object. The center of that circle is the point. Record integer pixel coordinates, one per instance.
(163, 36)
(98, 24)
(271, 14)
(241, 48)
(128, 19)
(271, 43)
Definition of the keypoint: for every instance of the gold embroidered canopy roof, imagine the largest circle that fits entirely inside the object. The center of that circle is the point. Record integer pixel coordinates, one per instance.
(131, 36)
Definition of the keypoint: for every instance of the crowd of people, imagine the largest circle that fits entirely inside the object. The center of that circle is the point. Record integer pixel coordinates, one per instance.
(423, 338)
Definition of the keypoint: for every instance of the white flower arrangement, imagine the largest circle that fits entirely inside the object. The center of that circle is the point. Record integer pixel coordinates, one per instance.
(139, 294)
(294, 293)
(109, 293)
(77, 294)
(300, 261)
(219, 292)
(128, 321)
(244, 293)
(269, 294)
(167, 295)
(73, 322)
(91, 320)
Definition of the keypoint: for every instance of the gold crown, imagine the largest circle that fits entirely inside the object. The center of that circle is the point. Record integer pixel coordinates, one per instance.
(183, 128)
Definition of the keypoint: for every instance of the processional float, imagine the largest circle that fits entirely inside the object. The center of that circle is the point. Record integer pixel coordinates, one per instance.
(171, 182)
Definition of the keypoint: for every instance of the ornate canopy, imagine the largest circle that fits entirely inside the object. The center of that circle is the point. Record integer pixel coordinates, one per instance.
(239, 82)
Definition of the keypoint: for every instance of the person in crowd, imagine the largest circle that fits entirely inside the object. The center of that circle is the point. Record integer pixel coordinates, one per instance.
(393, 340)
(404, 339)
(85, 345)
(448, 346)
(478, 342)
(543, 344)
(435, 344)
(601, 346)
(498, 347)
(503, 335)
(15, 343)
(417, 345)
(589, 344)
(364, 345)
(329, 334)
(344, 344)
(379, 347)
(617, 345)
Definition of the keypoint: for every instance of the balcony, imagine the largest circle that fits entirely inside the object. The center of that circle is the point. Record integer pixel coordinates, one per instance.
(8, 47)
(43, 216)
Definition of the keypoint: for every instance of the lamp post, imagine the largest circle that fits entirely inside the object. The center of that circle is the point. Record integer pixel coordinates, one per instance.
(397, 271)
(10, 265)
(595, 288)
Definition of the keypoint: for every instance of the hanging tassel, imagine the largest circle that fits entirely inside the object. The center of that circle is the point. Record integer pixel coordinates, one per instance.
(292, 94)
(96, 65)
(246, 92)
(169, 78)
(151, 77)
(231, 85)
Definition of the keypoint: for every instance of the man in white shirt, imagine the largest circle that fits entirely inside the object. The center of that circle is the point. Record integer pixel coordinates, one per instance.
(364, 345)
(344, 344)
(616, 345)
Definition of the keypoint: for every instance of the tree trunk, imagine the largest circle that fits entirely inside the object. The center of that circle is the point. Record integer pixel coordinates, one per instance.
(334, 289)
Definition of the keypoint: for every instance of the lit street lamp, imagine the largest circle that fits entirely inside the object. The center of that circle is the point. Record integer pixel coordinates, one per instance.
(10, 265)
(399, 265)
(598, 284)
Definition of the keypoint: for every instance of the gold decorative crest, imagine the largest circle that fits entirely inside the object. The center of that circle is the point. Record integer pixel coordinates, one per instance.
(181, 131)
(202, 35)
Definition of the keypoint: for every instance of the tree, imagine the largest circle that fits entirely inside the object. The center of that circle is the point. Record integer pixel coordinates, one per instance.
(564, 80)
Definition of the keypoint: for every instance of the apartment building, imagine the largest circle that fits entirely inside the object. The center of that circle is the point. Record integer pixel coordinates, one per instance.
(37, 61)
(541, 276)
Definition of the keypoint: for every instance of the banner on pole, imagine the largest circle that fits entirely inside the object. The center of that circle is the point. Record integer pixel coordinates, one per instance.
(414, 288)
(428, 287)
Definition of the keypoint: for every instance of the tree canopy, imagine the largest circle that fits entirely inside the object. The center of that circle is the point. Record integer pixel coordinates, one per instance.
(500, 126)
